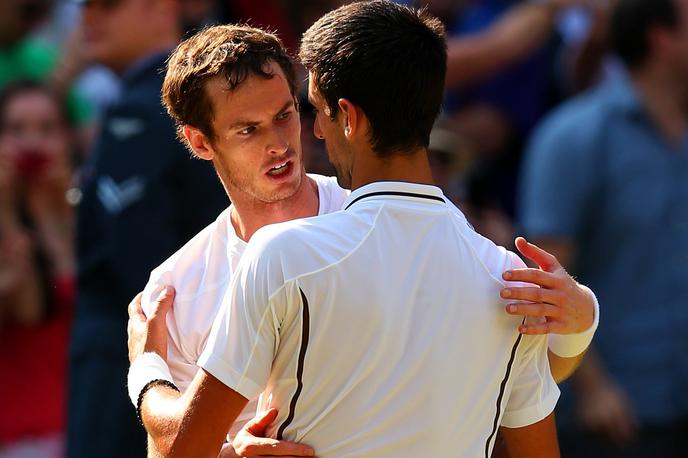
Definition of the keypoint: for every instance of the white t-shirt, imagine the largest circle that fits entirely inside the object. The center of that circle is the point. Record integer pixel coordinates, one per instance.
(201, 272)
(379, 331)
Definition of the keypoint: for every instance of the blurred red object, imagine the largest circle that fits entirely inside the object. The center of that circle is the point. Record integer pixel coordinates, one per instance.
(31, 163)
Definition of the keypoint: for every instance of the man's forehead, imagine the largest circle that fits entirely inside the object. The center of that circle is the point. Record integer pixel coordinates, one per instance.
(314, 95)
(248, 99)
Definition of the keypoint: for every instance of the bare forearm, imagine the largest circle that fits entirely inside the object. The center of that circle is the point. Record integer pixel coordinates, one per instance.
(193, 424)
(563, 368)
(517, 33)
(538, 440)
(153, 451)
(162, 417)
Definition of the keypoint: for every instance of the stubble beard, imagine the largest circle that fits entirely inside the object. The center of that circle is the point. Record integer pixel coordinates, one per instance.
(244, 184)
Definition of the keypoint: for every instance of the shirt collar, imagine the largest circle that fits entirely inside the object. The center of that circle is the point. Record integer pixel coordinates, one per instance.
(396, 190)
(623, 94)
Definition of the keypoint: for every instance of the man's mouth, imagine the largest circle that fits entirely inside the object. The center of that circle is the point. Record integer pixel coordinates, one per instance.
(279, 169)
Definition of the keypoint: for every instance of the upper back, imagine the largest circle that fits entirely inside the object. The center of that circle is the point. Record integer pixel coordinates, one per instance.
(389, 318)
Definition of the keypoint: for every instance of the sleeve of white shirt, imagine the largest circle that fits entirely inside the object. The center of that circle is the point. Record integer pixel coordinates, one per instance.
(534, 392)
(250, 316)
(181, 367)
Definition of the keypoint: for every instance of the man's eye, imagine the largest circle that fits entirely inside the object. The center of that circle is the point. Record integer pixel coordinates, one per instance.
(284, 116)
(247, 130)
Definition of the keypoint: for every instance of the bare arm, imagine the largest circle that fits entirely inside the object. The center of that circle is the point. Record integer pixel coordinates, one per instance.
(538, 440)
(171, 419)
(516, 34)
(193, 424)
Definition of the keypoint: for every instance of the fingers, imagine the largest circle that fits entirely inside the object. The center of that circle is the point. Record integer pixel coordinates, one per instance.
(534, 276)
(163, 302)
(533, 295)
(258, 424)
(547, 327)
(135, 310)
(271, 447)
(539, 309)
(542, 258)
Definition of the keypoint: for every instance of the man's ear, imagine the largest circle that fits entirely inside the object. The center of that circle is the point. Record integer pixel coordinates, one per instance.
(199, 143)
(353, 118)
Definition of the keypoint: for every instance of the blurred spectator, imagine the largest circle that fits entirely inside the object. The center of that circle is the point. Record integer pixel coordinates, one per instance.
(267, 14)
(23, 56)
(449, 159)
(143, 197)
(196, 14)
(36, 269)
(500, 75)
(605, 188)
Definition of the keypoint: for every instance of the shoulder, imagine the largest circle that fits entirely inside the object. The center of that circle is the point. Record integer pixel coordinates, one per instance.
(194, 267)
(495, 259)
(332, 196)
(299, 247)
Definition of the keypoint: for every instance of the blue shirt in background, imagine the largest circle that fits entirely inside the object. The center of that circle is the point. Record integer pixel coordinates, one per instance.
(599, 173)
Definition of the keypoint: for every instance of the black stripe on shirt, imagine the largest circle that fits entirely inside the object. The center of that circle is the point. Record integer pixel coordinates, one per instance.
(305, 320)
(395, 193)
(502, 387)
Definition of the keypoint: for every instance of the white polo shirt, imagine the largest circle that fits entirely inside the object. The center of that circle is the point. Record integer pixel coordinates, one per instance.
(201, 272)
(379, 332)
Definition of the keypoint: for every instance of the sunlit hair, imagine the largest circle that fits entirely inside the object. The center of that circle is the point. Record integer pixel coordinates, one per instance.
(232, 52)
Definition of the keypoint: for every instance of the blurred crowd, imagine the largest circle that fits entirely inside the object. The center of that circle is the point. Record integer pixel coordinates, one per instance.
(564, 120)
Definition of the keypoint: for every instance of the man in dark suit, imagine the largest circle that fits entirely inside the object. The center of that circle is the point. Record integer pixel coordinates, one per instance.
(143, 197)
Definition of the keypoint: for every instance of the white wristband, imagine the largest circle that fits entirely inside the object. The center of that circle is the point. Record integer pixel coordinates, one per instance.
(146, 368)
(570, 345)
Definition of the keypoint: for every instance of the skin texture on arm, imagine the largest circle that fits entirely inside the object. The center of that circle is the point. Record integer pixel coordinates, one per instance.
(566, 306)
(194, 424)
(516, 34)
(538, 440)
(163, 410)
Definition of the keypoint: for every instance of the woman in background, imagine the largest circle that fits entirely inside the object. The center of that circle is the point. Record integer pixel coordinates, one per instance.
(36, 269)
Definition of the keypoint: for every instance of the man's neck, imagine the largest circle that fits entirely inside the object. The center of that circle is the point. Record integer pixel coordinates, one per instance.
(409, 166)
(664, 98)
(248, 214)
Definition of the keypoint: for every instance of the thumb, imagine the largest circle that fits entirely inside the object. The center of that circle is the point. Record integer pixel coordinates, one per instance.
(257, 425)
(163, 302)
(542, 258)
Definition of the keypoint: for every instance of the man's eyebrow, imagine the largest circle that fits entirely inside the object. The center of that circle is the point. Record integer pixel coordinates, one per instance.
(243, 123)
(287, 105)
(247, 122)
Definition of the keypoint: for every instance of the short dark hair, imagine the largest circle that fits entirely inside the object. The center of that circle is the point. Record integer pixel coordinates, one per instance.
(26, 86)
(230, 51)
(389, 59)
(631, 21)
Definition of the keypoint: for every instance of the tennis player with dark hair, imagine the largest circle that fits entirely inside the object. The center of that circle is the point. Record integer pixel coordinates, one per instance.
(386, 148)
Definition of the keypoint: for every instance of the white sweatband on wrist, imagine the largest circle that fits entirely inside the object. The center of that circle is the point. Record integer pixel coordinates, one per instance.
(146, 368)
(570, 345)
